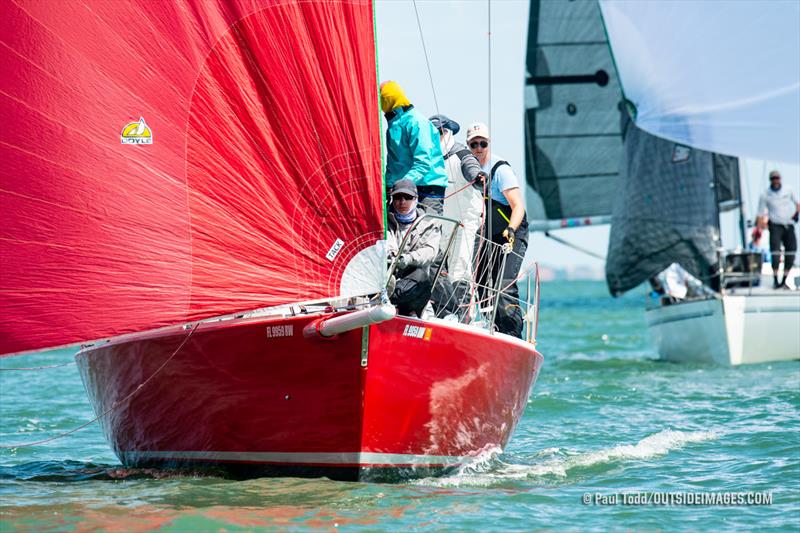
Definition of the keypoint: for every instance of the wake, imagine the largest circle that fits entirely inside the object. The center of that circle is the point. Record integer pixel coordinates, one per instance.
(556, 464)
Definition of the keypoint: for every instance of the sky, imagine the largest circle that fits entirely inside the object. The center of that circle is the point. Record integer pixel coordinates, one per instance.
(457, 37)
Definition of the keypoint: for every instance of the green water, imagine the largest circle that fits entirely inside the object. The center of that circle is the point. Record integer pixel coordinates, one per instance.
(604, 418)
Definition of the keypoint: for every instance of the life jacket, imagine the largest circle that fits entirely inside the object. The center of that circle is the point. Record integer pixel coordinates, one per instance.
(501, 213)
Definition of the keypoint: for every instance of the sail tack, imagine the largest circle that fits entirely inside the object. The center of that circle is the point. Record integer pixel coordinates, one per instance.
(722, 76)
(170, 161)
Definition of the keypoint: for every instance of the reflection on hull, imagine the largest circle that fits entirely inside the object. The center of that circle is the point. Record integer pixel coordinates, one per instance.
(253, 397)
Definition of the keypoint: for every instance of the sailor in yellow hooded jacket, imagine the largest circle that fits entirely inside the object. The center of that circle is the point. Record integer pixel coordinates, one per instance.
(412, 148)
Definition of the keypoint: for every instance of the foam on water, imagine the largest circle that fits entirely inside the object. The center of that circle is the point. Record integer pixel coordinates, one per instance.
(491, 470)
(660, 443)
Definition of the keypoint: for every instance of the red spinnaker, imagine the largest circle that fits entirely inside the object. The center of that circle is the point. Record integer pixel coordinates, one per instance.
(264, 152)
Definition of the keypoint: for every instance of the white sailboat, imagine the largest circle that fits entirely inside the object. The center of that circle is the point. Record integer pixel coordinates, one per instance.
(738, 326)
(646, 59)
(704, 101)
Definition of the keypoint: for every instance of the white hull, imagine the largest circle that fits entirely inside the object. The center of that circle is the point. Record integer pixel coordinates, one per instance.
(758, 327)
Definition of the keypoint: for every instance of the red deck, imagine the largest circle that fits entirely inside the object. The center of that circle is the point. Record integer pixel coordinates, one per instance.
(255, 397)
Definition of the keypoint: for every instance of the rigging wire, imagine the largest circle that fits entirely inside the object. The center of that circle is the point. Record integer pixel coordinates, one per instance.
(488, 193)
(486, 221)
(489, 66)
(427, 61)
(574, 246)
(113, 406)
(68, 363)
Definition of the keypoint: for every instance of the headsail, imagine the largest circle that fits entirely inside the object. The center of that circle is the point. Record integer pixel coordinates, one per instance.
(572, 98)
(722, 76)
(667, 210)
(258, 183)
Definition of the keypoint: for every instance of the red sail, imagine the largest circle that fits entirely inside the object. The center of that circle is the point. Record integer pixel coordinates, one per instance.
(257, 156)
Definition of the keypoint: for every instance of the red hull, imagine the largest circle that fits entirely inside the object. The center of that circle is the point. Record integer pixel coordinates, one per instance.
(255, 397)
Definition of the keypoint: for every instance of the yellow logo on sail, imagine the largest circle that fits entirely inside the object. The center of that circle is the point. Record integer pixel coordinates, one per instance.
(137, 133)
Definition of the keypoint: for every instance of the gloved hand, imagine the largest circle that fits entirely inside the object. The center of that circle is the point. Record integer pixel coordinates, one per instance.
(508, 233)
(403, 262)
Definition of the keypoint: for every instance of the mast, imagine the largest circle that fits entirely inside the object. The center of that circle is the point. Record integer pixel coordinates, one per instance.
(489, 234)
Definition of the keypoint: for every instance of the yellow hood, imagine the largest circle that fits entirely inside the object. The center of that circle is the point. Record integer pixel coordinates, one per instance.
(392, 96)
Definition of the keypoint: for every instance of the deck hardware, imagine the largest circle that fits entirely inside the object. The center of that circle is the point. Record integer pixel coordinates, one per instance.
(364, 346)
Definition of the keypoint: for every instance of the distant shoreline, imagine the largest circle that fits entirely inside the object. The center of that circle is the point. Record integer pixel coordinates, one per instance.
(571, 273)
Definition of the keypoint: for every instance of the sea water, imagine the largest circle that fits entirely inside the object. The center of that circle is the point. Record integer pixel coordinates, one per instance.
(611, 439)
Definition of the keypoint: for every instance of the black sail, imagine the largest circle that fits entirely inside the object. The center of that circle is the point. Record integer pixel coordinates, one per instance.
(667, 209)
(572, 96)
(586, 158)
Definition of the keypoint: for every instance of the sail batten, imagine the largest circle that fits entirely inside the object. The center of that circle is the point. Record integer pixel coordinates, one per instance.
(573, 140)
(249, 176)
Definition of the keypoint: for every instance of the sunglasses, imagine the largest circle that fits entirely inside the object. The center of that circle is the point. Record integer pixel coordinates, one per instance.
(774, 177)
(482, 144)
(402, 197)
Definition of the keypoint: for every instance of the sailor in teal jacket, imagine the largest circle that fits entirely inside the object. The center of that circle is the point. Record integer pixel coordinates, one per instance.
(412, 147)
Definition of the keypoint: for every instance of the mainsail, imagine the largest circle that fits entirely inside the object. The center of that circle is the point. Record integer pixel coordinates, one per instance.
(667, 210)
(722, 76)
(171, 161)
(572, 99)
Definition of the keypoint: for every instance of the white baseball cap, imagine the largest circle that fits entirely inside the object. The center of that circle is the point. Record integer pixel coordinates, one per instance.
(478, 129)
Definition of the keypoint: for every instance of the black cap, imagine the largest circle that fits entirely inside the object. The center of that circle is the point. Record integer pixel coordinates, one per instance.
(404, 187)
(441, 121)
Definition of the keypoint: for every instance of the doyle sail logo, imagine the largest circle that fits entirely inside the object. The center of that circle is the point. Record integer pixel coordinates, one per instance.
(417, 332)
(136, 133)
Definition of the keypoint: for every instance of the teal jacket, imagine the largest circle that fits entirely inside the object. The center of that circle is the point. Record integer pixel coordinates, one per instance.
(412, 149)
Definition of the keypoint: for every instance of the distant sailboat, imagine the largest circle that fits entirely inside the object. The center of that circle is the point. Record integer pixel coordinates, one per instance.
(227, 280)
(585, 164)
(721, 77)
(670, 199)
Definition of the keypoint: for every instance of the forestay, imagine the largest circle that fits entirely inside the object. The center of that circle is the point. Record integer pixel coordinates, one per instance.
(170, 161)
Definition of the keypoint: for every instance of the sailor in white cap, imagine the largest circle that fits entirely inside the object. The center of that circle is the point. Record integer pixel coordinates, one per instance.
(505, 222)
